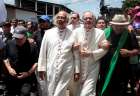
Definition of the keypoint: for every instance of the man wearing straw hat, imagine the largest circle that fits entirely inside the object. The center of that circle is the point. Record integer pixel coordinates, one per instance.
(114, 65)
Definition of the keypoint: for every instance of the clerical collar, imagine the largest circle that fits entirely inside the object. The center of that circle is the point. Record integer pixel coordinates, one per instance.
(62, 30)
(89, 30)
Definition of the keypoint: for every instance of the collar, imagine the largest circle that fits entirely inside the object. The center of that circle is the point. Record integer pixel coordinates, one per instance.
(90, 30)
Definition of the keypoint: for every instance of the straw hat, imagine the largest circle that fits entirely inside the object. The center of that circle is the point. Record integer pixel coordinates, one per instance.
(119, 19)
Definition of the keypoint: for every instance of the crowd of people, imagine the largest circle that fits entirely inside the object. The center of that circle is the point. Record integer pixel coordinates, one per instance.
(70, 56)
(20, 44)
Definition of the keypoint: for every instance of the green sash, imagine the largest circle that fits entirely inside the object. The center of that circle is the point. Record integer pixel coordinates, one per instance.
(29, 34)
(114, 58)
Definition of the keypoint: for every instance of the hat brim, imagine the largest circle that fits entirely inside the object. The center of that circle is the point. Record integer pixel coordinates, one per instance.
(19, 36)
(116, 23)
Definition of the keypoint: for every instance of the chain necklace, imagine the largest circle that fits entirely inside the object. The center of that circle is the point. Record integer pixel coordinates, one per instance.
(62, 36)
(88, 37)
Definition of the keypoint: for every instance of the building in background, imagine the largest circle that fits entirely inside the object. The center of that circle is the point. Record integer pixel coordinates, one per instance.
(50, 9)
(31, 9)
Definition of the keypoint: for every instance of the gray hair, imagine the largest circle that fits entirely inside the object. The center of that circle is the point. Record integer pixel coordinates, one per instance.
(93, 16)
(55, 17)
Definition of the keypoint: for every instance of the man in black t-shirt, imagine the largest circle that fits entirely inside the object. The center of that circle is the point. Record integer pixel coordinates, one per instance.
(20, 59)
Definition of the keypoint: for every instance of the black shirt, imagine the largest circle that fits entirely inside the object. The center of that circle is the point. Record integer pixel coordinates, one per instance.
(122, 64)
(22, 57)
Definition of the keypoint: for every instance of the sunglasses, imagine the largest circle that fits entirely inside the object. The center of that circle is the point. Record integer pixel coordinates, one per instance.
(73, 17)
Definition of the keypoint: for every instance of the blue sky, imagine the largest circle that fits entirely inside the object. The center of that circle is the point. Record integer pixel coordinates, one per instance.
(83, 5)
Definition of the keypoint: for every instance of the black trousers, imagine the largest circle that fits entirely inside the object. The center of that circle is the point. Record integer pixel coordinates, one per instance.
(20, 87)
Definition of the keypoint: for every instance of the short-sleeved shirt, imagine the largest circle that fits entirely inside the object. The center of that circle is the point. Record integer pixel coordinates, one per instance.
(22, 57)
(122, 62)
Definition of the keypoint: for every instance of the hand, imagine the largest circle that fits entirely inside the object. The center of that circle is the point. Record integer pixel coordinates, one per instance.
(42, 75)
(31, 40)
(76, 76)
(85, 53)
(23, 75)
(124, 52)
(104, 44)
(76, 46)
(12, 72)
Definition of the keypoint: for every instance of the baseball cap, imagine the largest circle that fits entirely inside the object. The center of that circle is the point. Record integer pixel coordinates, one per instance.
(45, 18)
(19, 32)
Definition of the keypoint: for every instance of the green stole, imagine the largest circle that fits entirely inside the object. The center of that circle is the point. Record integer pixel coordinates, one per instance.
(114, 58)
(29, 34)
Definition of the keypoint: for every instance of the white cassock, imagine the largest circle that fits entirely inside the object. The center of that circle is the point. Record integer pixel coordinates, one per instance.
(3, 12)
(89, 66)
(73, 85)
(56, 60)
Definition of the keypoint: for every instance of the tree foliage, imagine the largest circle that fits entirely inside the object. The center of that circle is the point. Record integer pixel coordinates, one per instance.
(130, 3)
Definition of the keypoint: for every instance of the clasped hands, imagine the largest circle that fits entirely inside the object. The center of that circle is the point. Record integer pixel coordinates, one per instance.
(84, 52)
(104, 44)
(20, 75)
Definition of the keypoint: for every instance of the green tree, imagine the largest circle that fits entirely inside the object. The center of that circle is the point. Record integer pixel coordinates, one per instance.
(130, 3)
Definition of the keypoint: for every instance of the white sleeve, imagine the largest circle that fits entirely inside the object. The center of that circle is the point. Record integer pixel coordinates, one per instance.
(76, 61)
(100, 52)
(75, 54)
(42, 60)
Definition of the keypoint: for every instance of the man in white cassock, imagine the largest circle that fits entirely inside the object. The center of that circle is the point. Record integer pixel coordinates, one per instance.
(92, 47)
(55, 64)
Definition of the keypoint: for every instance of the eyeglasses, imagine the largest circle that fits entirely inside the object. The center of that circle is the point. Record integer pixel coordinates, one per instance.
(86, 18)
(73, 17)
